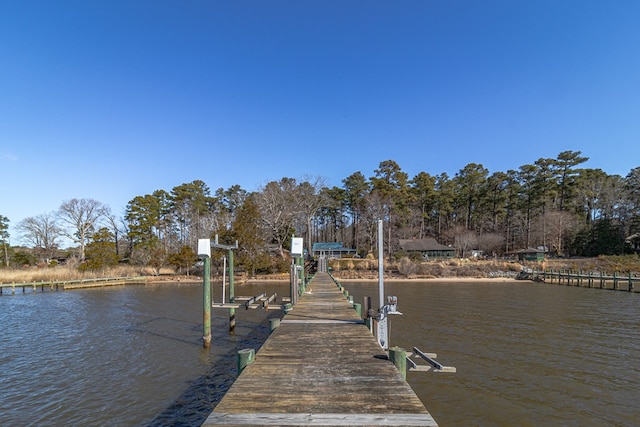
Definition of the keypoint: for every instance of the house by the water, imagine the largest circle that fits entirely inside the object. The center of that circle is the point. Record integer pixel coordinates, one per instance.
(331, 250)
(529, 254)
(429, 248)
(634, 242)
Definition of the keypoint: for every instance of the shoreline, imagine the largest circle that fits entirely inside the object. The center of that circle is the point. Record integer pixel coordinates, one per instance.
(453, 279)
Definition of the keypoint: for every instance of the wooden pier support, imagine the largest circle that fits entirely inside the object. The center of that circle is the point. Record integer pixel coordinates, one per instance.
(206, 303)
(273, 324)
(398, 356)
(245, 358)
(600, 279)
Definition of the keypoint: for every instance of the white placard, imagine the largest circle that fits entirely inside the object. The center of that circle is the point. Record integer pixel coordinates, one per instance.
(296, 246)
(204, 248)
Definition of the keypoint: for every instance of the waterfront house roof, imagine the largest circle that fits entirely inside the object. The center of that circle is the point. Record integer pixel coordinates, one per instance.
(327, 246)
(428, 244)
(528, 251)
(331, 249)
(633, 238)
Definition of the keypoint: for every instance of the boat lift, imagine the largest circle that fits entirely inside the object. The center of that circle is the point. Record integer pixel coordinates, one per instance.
(258, 301)
(391, 308)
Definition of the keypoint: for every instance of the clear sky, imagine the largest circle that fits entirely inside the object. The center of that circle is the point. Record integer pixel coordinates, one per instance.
(111, 99)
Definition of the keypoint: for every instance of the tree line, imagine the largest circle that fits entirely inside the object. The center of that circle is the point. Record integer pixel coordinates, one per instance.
(553, 203)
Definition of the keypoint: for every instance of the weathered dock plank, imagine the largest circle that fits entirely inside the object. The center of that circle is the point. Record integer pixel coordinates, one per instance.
(321, 367)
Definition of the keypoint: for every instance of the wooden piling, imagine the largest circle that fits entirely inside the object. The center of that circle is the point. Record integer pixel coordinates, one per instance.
(206, 303)
(398, 356)
(273, 324)
(358, 308)
(366, 306)
(245, 358)
(232, 295)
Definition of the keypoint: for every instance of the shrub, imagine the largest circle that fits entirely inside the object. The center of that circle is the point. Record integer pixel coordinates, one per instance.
(407, 268)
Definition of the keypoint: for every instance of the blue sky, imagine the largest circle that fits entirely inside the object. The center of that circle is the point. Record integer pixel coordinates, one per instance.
(111, 99)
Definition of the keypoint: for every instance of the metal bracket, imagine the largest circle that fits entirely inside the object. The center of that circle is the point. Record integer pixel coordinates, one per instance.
(258, 301)
(429, 358)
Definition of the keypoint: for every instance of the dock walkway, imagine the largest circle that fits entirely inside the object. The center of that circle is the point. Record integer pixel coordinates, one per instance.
(321, 366)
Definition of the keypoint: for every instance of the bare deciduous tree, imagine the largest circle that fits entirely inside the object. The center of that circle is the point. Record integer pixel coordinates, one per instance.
(277, 209)
(309, 200)
(41, 232)
(80, 217)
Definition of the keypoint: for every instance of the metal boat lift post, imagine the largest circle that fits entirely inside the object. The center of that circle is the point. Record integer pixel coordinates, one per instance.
(398, 355)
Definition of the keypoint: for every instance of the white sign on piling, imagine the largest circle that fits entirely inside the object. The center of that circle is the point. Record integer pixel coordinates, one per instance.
(296, 246)
(204, 248)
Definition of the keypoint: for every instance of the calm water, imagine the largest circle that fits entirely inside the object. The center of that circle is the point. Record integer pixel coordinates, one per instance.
(526, 354)
(121, 356)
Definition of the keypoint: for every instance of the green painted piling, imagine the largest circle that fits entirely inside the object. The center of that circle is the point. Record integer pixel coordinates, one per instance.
(399, 358)
(273, 324)
(232, 294)
(206, 303)
(368, 321)
(245, 358)
(358, 308)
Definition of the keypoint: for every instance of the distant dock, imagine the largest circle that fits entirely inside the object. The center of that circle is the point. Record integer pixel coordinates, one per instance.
(10, 288)
(321, 366)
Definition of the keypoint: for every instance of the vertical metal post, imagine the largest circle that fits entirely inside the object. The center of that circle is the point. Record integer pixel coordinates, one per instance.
(224, 276)
(294, 282)
(206, 303)
(380, 265)
(232, 294)
(382, 329)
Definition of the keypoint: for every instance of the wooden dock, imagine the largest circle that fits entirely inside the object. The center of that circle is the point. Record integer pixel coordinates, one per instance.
(321, 366)
(70, 284)
(612, 281)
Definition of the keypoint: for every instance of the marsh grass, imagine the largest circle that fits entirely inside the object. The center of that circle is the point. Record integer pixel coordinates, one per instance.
(456, 267)
(62, 273)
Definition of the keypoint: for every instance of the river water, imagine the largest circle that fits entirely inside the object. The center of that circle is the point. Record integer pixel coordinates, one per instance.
(118, 356)
(526, 354)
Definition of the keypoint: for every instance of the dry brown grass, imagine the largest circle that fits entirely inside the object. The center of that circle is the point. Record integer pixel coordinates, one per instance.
(62, 273)
(604, 263)
(483, 268)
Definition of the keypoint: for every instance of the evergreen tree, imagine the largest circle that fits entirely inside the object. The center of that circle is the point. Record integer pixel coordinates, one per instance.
(100, 252)
(4, 239)
(356, 189)
(183, 260)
